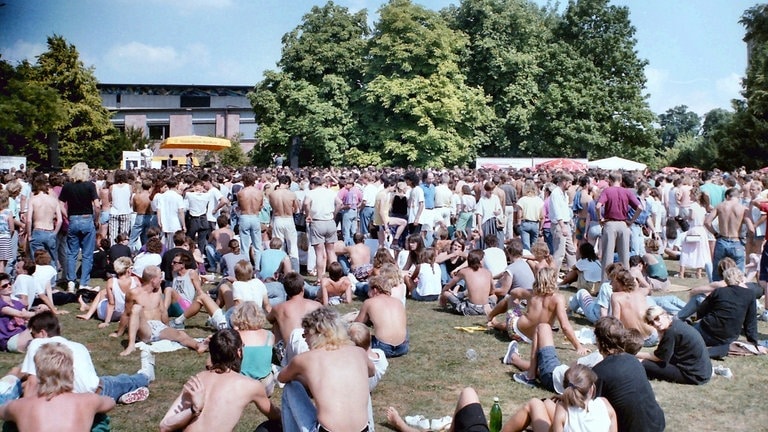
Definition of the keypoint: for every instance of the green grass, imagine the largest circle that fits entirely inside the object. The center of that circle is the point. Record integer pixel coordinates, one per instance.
(428, 379)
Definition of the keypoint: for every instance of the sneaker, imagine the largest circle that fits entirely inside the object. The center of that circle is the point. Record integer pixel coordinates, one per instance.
(133, 396)
(511, 350)
(147, 365)
(440, 424)
(763, 316)
(71, 286)
(723, 371)
(176, 325)
(522, 378)
(424, 424)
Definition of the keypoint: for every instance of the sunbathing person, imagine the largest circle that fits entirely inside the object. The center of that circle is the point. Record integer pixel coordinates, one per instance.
(335, 288)
(593, 308)
(478, 298)
(545, 306)
(629, 303)
(216, 398)
(55, 406)
(148, 315)
(286, 317)
(387, 316)
(109, 303)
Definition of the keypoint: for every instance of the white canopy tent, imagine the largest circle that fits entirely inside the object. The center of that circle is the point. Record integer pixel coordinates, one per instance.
(617, 163)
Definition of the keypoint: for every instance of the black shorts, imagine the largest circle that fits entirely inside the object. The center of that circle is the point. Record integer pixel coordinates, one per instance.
(470, 419)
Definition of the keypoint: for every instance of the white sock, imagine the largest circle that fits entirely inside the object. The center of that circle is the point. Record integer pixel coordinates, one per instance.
(180, 319)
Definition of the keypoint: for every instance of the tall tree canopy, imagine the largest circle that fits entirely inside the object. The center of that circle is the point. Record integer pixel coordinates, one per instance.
(677, 121)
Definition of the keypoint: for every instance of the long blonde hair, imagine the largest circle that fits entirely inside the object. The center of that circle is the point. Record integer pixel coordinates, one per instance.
(80, 172)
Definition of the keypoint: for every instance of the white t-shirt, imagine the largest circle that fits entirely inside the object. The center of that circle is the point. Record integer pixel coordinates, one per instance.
(86, 379)
(168, 204)
(430, 280)
(26, 285)
(323, 203)
(253, 290)
(495, 260)
(45, 273)
(414, 199)
(145, 259)
(380, 366)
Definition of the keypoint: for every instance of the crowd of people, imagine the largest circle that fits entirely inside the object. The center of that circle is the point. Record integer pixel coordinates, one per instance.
(266, 255)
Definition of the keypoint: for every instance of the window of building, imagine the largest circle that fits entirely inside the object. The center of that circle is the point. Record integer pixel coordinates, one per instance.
(204, 128)
(248, 130)
(195, 101)
(158, 132)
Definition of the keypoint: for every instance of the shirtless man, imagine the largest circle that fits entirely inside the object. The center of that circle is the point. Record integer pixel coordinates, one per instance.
(105, 196)
(387, 316)
(54, 406)
(250, 200)
(629, 304)
(148, 315)
(46, 218)
(731, 215)
(340, 393)
(286, 317)
(544, 306)
(359, 255)
(478, 299)
(284, 205)
(218, 241)
(221, 389)
(143, 208)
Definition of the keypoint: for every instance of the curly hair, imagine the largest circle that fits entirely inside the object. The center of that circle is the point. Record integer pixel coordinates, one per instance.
(248, 316)
(55, 370)
(325, 329)
(546, 282)
(80, 172)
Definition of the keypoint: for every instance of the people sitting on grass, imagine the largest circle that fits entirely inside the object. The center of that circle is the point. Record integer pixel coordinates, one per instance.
(334, 371)
(681, 356)
(215, 398)
(622, 379)
(335, 288)
(587, 272)
(54, 405)
(286, 317)
(14, 336)
(628, 305)
(109, 303)
(187, 296)
(468, 416)
(578, 408)
(477, 297)
(424, 284)
(546, 305)
(593, 308)
(148, 315)
(726, 313)
(249, 320)
(387, 316)
(518, 278)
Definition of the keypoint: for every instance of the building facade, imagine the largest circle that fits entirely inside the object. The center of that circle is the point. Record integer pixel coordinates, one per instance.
(163, 111)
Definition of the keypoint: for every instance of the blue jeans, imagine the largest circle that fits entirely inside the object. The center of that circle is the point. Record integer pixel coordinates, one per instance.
(669, 303)
(727, 248)
(391, 350)
(116, 386)
(691, 307)
(139, 229)
(250, 232)
(547, 232)
(45, 240)
(636, 240)
(529, 233)
(275, 292)
(366, 219)
(214, 256)
(348, 225)
(299, 414)
(81, 237)
(588, 305)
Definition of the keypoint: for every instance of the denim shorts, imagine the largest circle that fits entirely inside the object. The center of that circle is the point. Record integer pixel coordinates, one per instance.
(546, 362)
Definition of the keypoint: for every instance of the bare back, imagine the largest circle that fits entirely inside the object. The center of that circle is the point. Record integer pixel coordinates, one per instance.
(359, 254)
(541, 309)
(479, 284)
(250, 200)
(141, 202)
(65, 412)
(629, 308)
(45, 211)
(730, 215)
(288, 314)
(283, 202)
(387, 315)
(226, 397)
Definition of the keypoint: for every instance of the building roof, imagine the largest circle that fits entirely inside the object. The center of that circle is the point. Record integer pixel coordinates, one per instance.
(174, 89)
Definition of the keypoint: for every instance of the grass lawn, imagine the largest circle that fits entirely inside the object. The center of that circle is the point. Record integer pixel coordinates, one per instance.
(428, 379)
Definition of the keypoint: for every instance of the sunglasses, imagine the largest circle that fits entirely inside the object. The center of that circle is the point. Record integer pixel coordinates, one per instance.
(7, 284)
(175, 262)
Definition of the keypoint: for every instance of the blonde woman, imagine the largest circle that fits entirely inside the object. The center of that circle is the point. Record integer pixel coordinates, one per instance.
(248, 319)
(82, 209)
(109, 303)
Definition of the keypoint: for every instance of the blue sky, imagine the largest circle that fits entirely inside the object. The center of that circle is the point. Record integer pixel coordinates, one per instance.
(695, 50)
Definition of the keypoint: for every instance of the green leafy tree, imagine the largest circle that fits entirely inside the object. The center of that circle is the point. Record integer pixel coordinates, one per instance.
(310, 98)
(593, 105)
(86, 133)
(234, 157)
(29, 111)
(676, 122)
(130, 139)
(418, 108)
(507, 40)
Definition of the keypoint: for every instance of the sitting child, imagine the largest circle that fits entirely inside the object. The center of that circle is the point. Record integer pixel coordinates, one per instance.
(333, 287)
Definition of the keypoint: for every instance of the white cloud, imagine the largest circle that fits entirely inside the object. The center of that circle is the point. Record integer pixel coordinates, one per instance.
(22, 50)
(139, 62)
(730, 85)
